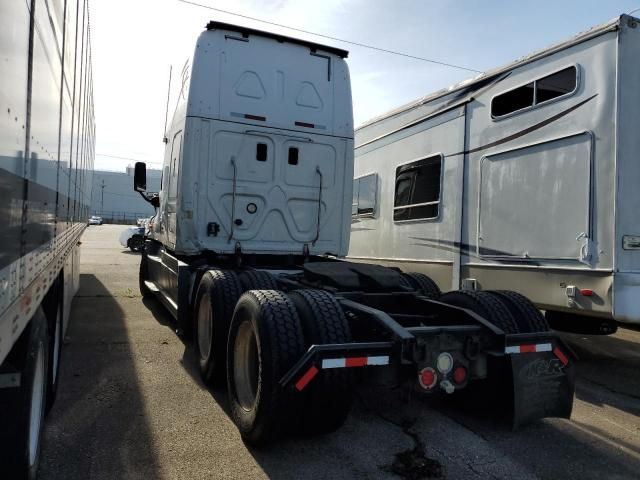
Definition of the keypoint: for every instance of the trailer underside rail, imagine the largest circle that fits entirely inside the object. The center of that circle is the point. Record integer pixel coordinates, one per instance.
(436, 329)
(344, 355)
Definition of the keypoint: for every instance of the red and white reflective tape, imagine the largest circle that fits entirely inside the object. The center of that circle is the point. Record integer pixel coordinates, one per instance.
(561, 356)
(348, 362)
(532, 348)
(354, 362)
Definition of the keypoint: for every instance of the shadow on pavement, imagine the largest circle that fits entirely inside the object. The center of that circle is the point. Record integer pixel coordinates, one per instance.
(608, 370)
(189, 361)
(98, 426)
(164, 318)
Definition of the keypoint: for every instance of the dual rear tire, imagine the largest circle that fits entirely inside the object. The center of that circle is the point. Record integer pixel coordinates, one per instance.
(422, 283)
(254, 345)
(216, 297)
(269, 333)
(511, 312)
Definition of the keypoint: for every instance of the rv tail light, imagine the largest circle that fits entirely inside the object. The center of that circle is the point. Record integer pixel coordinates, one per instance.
(444, 362)
(427, 378)
(586, 292)
(459, 374)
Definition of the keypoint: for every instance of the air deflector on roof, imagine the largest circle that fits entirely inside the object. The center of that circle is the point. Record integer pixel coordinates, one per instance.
(280, 38)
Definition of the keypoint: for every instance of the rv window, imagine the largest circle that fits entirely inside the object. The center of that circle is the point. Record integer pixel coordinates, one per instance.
(417, 194)
(261, 152)
(547, 88)
(556, 85)
(364, 195)
(512, 101)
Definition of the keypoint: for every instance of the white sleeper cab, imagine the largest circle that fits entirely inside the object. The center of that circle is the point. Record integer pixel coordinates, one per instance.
(247, 253)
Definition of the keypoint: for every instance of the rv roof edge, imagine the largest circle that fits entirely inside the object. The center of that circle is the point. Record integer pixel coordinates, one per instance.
(213, 25)
(579, 38)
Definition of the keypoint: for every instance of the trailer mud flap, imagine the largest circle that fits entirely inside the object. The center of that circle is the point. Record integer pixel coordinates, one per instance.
(543, 386)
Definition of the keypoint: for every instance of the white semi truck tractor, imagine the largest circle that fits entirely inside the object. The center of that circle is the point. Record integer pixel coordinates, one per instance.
(247, 248)
(46, 159)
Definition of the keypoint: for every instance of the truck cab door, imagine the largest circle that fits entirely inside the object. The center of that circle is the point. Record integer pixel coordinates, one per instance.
(169, 195)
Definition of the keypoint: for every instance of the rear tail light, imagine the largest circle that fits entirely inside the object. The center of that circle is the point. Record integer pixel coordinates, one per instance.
(427, 377)
(459, 375)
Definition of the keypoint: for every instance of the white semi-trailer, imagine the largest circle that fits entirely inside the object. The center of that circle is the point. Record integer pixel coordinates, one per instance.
(253, 218)
(525, 177)
(46, 158)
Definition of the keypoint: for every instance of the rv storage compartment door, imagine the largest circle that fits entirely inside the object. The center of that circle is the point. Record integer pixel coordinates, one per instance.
(535, 200)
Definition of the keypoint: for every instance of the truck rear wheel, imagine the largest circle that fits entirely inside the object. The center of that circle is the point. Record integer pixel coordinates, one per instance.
(257, 280)
(526, 314)
(265, 341)
(216, 297)
(23, 407)
(329, 397)
(422, 283)
(484, 304)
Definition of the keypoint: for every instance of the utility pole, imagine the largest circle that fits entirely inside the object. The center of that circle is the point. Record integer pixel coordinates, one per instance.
(102, 199)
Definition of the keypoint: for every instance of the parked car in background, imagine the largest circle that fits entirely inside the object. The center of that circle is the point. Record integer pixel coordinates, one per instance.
(133, 238)
(95, 220)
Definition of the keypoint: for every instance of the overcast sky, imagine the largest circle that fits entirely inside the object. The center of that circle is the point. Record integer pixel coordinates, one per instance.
(135, 42)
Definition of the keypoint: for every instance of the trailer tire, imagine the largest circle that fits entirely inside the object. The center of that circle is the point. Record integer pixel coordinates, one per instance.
(22, 408)
(329, 397)
(484, 304)
(257, 280)
(422, 283)
(55, 354)
(265, 341)
(526, 314)
(143, 275)
(216, 297)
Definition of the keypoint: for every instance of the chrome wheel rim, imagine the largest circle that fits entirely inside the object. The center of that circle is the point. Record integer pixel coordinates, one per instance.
(205, 327)
(37, 404)
(246, 366)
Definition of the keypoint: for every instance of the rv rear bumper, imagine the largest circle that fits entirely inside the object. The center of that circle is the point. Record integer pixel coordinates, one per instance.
(626, 291)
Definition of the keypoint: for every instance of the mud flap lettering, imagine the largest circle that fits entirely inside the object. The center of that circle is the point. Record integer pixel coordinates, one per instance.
(542, 387)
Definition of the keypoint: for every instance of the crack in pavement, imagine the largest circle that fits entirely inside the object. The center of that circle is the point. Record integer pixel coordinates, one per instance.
(412, 463)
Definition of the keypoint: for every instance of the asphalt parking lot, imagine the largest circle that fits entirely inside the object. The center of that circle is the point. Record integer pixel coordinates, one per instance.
(131, 406)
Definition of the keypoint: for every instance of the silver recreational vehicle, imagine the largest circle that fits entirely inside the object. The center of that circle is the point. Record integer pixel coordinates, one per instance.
(46, 160)
(525, 178)
(247, 253)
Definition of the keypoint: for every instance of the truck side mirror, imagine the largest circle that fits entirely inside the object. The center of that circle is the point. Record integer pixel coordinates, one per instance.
(140, 177)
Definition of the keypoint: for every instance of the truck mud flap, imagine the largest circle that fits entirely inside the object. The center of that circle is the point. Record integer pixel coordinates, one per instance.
(543, 381)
